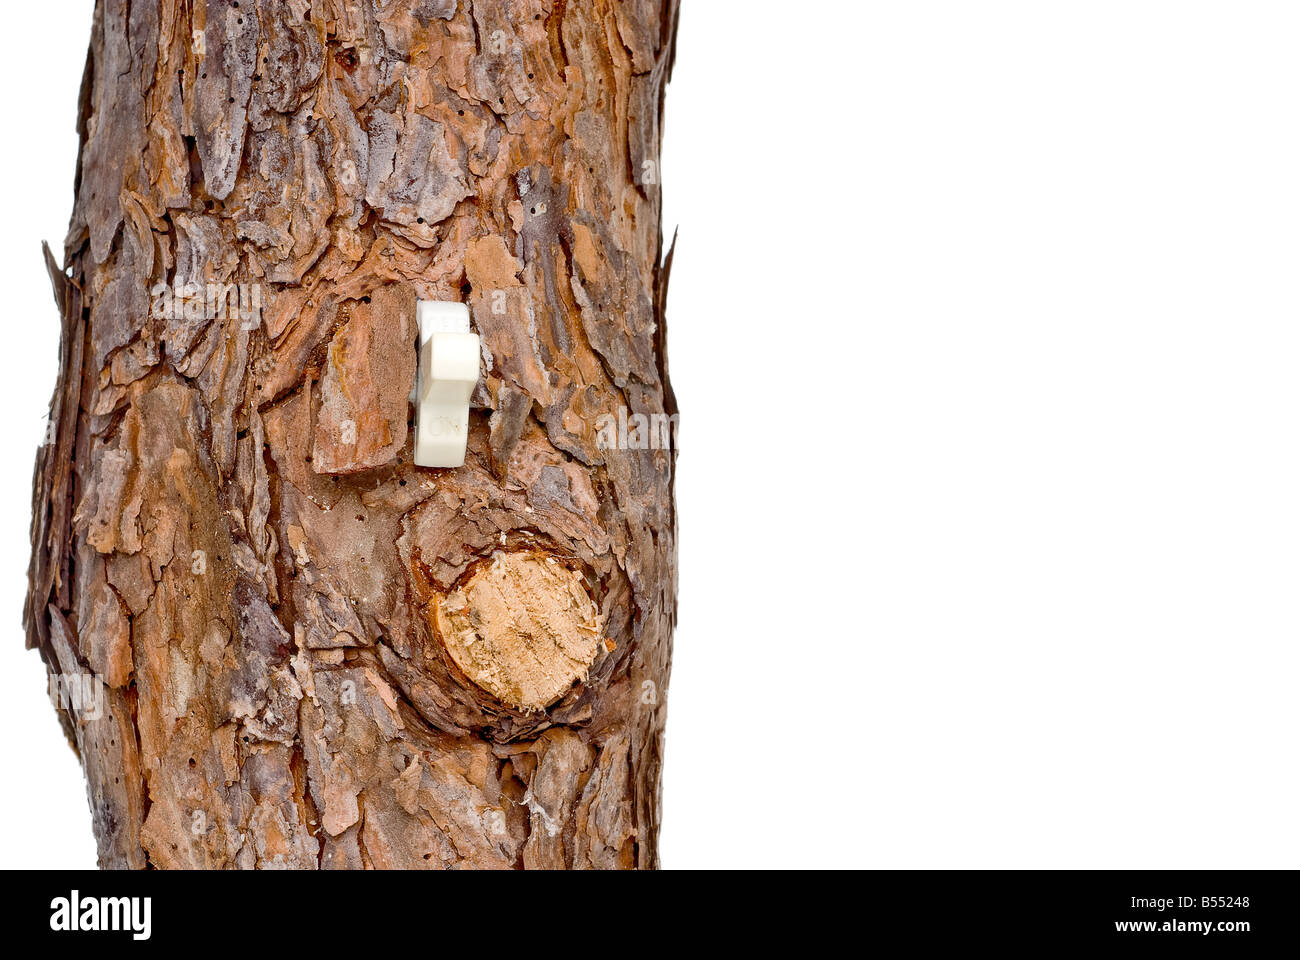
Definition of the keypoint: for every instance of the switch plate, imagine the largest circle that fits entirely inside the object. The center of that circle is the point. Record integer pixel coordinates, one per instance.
(447, 372)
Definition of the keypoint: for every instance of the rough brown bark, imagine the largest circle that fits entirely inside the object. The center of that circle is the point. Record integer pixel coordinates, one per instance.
(303, 650)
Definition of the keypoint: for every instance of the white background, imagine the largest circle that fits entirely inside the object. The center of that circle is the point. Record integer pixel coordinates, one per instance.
(985, 325)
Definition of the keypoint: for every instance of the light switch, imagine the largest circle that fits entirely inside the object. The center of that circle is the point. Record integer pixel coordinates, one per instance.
(445, 379)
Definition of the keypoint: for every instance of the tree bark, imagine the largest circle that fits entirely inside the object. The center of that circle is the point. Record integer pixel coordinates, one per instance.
(273, 640)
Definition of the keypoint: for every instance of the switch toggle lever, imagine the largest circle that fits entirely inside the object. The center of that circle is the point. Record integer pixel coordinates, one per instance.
(445, 377)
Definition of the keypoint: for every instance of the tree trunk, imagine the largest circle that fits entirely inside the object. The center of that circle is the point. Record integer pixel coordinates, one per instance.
(273, 640)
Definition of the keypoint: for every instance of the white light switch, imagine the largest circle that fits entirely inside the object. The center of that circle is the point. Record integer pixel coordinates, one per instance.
(445, 378)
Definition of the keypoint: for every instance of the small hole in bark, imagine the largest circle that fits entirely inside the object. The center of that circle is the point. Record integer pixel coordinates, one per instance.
(419, 219)
(530, 76)
(191, 761)
(401, 483)
(309, 459)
